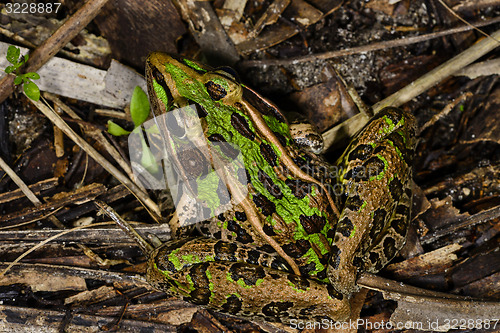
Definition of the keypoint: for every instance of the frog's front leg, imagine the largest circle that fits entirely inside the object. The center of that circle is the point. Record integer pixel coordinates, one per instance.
(241, 280)
(373, 224)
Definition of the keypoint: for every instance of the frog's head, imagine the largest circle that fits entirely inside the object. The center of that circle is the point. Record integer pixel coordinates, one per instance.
(175, 82)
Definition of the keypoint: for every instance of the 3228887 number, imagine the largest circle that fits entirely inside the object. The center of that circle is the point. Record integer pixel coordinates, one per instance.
(32, 8)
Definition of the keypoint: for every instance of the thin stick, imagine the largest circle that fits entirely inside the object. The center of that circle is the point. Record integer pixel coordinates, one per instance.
(27, 192)
(42, 243)
(125, 226)
(463, 20)
(440, 73)
(364, 48)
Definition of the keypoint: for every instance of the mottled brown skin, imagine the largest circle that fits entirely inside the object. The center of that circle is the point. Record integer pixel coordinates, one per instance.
(384, 202)
(222, 279)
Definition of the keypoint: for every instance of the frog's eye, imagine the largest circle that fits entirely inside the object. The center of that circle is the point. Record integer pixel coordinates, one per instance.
(229, 72)
(222, 88)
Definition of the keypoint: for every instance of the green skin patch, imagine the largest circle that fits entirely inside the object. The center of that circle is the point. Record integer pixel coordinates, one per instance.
(193, 65)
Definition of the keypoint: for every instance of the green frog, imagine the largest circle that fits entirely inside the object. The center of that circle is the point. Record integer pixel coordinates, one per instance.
(291, 245)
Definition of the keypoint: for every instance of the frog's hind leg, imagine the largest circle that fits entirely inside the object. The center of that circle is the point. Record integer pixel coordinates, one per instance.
(390, 240)
(241, 280)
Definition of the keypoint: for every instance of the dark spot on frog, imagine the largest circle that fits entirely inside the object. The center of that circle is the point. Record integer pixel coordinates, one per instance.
(374, 258)
(241, 235)
(194, 164)
(306, 269)
(201, 293)
(389, 248)
(243, 176)
(331, 233)
(216, 91)
(228, 149)
(268, 153)
(280, 264)
(221, 217)
(281, 139)
(373, 167)
(267, 206)
(298, 282)
(391, 113)
(161, 258)
(232, 305)
(200, 110)
(357, 173)
(253, 257)
(306, 313)
(398, 140)
(378, 222)
(173, 128)
(300, 162)
(334, 293)
(396, 189)
(217, 235)
(297, 249)
(225, 251)
(354, 203)
(345, 227)
(240, 124)
(204, 230)
(248, 273)
(403, 210)
(358, 262)
(276, 113)
(268, 230)
(269, 185)
(380, 148)
(400, 225)
(335, 257)
(322, 274)
(277, 309)
(361, 152)
(299, 188)
(158, 77)
(266, 248)
(240, 216)
(312, 224)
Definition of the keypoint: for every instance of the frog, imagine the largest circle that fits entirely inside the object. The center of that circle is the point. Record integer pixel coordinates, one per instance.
(290, 246)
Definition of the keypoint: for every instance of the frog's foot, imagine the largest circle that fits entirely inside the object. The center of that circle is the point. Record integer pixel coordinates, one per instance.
(209, 272)
(343, 277)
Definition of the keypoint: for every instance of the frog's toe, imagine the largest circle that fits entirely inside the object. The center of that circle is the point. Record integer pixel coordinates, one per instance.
(343, 279)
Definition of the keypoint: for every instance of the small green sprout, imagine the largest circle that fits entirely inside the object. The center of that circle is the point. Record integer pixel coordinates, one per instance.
(139, 111)
(17, 60)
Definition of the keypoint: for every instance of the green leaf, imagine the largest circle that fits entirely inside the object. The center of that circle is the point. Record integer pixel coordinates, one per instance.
(13, 54)
(148, 160)
(33, 76)
(9, 69)
(26, 57)
(31, 90)
(18, 80)
(139, 106)
(116, 130)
